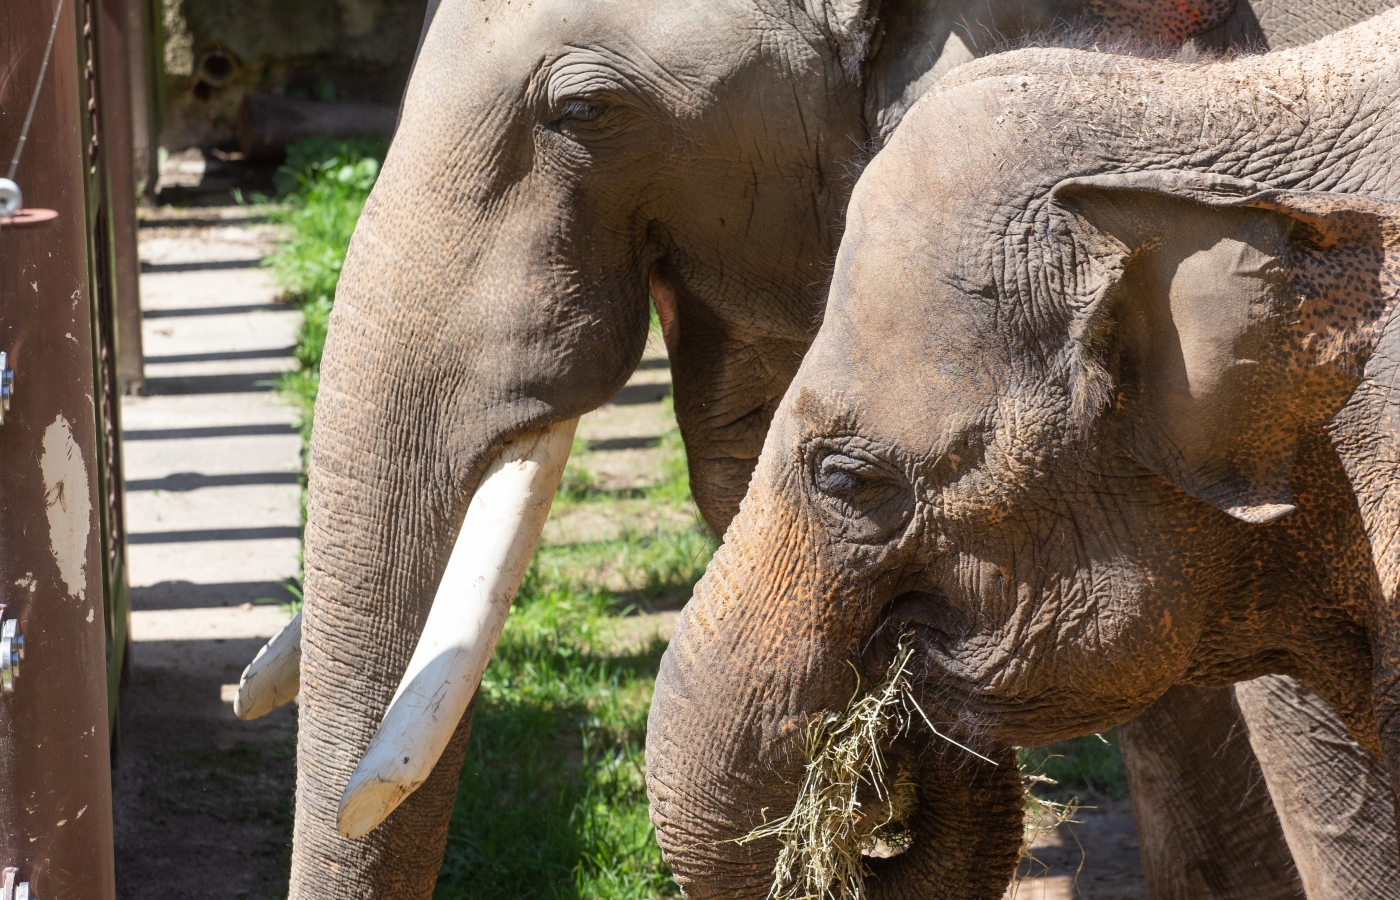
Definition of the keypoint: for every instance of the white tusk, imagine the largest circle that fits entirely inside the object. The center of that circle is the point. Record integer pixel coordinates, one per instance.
(493, 549)
(274, 676)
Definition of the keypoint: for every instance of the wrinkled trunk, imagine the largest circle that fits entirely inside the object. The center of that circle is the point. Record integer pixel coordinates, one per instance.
(768, 642)
(450, 337)
(371, 540)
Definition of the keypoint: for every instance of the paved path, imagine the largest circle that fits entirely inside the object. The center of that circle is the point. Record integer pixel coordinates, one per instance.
(204, 800)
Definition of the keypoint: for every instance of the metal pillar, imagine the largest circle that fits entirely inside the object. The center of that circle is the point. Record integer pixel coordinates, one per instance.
(62, 552)
(122, 40)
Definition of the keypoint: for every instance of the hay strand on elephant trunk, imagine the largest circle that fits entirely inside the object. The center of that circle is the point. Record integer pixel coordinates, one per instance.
(827, 835)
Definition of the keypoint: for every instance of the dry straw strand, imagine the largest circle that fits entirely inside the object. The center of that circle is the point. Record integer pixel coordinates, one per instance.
(827, 835)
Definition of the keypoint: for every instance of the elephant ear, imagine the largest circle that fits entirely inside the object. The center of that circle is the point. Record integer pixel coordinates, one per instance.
(1236, 314)
(912, 43)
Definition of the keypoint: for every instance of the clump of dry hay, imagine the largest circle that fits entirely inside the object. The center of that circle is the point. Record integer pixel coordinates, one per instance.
(1043, 816)
(826, 835)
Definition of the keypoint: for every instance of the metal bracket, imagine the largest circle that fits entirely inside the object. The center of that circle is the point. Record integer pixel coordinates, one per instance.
(9, 890)
(11, 655)
(7, 387)
(11, 197)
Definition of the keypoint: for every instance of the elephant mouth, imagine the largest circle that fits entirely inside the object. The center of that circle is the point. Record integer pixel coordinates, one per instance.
(959, 713)
(861, 797)
(980, 712)
(889, 814)
(926, 611)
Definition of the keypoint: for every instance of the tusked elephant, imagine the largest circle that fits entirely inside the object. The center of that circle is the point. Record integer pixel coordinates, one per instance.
(1103, 401)
(556, 163)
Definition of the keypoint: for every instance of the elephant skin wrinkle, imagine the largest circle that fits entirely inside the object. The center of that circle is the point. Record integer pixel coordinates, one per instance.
(1103, 383)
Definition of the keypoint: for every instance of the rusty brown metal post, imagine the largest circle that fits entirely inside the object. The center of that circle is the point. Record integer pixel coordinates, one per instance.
(118, 134)
(61, 552)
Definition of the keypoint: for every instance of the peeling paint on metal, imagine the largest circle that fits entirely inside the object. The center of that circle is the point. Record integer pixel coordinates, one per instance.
(69, 506)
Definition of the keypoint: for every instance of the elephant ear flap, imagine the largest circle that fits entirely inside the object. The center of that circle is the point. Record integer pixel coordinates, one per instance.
(1231, 298)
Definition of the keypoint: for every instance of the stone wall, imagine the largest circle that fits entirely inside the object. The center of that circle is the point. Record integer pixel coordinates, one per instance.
(218, 51)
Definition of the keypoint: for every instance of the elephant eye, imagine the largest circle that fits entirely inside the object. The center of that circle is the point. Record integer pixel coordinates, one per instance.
(837, 480)
(864, 498)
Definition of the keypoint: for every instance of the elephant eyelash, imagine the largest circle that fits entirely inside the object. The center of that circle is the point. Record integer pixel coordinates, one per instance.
(580, 110)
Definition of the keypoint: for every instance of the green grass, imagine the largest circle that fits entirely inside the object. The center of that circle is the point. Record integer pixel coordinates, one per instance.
(1087, 768)
(552, 802)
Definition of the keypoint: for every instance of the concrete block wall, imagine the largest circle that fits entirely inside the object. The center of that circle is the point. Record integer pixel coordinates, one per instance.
(218, 51)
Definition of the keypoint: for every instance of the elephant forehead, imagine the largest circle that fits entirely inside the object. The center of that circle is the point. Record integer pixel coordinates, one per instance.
(669, 39)
(906, 375)
(904, 340)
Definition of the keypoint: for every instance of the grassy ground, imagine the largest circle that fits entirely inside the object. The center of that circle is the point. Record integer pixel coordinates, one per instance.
(1086, 768)
(552, 801)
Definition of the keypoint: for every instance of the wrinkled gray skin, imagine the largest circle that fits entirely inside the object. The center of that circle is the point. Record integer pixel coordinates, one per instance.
(556, 162)
(1093, 411)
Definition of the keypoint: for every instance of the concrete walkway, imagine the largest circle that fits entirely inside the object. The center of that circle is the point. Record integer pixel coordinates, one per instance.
(203, 800)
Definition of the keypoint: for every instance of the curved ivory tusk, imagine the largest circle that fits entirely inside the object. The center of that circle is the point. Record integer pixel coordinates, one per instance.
(493, 549)
(274, 676)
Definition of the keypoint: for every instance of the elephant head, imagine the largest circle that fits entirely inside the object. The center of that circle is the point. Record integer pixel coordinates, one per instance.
(556, 164)
(1100, 403)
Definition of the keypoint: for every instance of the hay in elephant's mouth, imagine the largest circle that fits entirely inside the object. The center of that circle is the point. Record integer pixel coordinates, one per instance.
(827, 836)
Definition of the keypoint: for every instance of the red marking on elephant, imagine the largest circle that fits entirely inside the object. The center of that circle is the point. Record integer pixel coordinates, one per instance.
(1189, 11)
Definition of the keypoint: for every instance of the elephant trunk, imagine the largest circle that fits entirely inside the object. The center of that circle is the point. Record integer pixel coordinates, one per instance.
(371, 562)
(450, 343)
(765, 646)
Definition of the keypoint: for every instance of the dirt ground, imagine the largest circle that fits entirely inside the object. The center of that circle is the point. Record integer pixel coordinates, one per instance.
(1094, 857)
(204, 801)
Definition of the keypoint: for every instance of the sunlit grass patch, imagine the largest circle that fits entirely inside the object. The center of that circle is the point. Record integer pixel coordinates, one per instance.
(552, 802)
(580, 485)
(1085, 768)
(661, 565)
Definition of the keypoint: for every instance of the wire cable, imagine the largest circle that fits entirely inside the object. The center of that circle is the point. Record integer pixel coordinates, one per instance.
(34, 100)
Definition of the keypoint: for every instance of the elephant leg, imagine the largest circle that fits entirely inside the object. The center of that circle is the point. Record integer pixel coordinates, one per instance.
(1333, 798)
(1206, 823)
